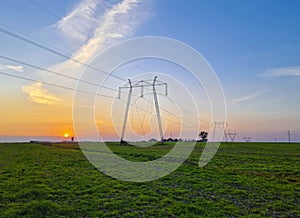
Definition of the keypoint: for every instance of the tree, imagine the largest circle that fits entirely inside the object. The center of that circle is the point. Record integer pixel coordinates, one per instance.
(203, 135)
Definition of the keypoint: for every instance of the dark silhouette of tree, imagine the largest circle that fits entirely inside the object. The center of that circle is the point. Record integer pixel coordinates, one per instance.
(203, 135)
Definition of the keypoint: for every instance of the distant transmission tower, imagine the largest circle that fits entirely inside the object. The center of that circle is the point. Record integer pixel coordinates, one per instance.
(142, 84)
(289, 135)
(247, 139)
(232, 135)
(221, 124)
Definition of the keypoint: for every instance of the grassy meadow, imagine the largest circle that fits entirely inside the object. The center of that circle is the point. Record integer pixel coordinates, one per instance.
(242, 180)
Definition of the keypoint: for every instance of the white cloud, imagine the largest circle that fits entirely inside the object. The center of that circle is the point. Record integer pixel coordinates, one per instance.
(95, 25)
(117, 22)
(38, 94)
(281, 72)
(248, 97)
(79, 21)
(101, 24)
(12, 67)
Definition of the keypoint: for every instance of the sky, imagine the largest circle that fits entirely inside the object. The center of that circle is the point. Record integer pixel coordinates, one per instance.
(252, 45)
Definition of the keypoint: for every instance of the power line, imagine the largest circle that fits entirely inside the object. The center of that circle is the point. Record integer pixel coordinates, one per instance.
(72, 89)
(54, 51)
(74, 27)
(174, 122)
(39, 45)
(58, 53)
(48, 11)
(165, 110)
(70, 77)
(68, 88)
(54, 15)
(54, 85)
(28, 36)
(55, 73)
(190, 113)
(147, 111)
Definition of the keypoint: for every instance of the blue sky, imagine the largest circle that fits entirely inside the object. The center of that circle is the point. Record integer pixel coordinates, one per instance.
(253, 46)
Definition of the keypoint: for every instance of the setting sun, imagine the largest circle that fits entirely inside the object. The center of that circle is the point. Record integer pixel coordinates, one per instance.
(66, 135)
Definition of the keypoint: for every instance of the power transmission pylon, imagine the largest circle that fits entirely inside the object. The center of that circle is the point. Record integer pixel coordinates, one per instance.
(247, 139)
(232, 135)
(142, 84)
(216, 124)
(289, 135)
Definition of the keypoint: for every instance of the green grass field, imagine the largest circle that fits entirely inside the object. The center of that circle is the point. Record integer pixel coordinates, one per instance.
(242, 180)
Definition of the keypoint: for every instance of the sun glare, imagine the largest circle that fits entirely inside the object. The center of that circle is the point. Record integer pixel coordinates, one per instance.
(66, 135)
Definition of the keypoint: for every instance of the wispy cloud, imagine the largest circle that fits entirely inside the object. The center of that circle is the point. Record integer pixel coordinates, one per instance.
(94, 25)
(108, 22)
(79, 22)
(248, 97)
(118, 22)
(281, 72)
(16, 68)
(37, 94)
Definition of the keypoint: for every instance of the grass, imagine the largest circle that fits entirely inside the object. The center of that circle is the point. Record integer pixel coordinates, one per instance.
(242, 180)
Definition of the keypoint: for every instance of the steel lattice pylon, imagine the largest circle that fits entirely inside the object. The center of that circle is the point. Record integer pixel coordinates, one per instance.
(141, 84)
